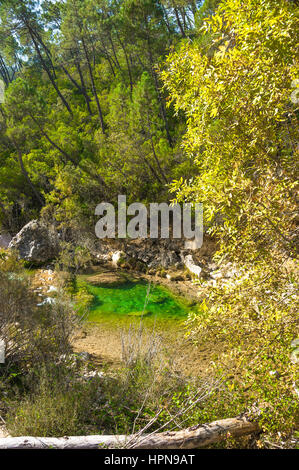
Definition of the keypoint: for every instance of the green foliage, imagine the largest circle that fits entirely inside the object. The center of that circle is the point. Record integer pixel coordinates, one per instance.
(33, 333)
(10, 262)
(252, 321)
(208, 8)
(149, 392)
(56, 404)
(84, 118)
(73, 259)
(235, 89)
(242, 125)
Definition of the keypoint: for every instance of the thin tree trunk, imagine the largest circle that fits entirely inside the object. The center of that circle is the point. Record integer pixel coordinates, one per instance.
(26, 175)
(52, 80)
(162, 107)
(179, 22)
(4, 71)
(81, 88)
(96, 177)
(56, 146)
(166, 19)
(157, 160)
(114, 52)
(109, 59)
(154, 150)
(94, 90)
(128, 64)
(84, 86)
(152, 170)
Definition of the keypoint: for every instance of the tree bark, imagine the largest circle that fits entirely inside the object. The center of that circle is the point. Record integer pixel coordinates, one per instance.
(81, 88)
(160, 99)
(4, 71)
(127, 62)
(46, 68)
(25, 173)
(192, 438)
(93, 86)
(57, 147)
(179, 22)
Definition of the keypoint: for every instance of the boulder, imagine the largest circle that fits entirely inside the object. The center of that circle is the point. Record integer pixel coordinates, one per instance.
(5, 239)
(36, 243)
(169, 258)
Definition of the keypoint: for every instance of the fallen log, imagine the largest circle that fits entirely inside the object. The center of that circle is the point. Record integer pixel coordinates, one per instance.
(192, 438)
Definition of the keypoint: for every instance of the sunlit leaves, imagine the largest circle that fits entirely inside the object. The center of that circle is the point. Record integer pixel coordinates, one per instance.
(241, 125)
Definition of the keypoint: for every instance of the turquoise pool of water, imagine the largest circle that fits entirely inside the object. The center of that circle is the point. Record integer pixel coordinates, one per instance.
(134, 299)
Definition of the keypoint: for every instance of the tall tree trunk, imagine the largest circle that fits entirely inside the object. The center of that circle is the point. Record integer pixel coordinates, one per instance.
(154, 150)
(160, 99)
(52, 80)
(166, 19)
(157, 160)
(109, 58)
(93, 86)
(26, 175)
(152, 169)
(179, 22)
(81, 88)
(4, 72)
(67, 156)
(128, 64)
(114, 52)
(56, 146)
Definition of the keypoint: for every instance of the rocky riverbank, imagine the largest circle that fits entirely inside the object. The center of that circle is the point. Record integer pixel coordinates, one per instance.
(39, 244)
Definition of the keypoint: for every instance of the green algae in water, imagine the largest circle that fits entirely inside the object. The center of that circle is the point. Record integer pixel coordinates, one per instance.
(131, 299)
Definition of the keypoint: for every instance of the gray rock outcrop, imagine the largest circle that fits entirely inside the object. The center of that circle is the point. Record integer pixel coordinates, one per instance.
(36, 243)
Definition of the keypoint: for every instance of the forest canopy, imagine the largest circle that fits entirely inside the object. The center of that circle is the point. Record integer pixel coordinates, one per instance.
(85, 116)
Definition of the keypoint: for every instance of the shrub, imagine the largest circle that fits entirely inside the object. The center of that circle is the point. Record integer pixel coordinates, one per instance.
(58, 404)
(33, 333)
(148, 393)
(254, 318)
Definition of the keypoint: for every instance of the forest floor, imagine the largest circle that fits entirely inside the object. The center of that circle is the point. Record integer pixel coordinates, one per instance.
(104, 343)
